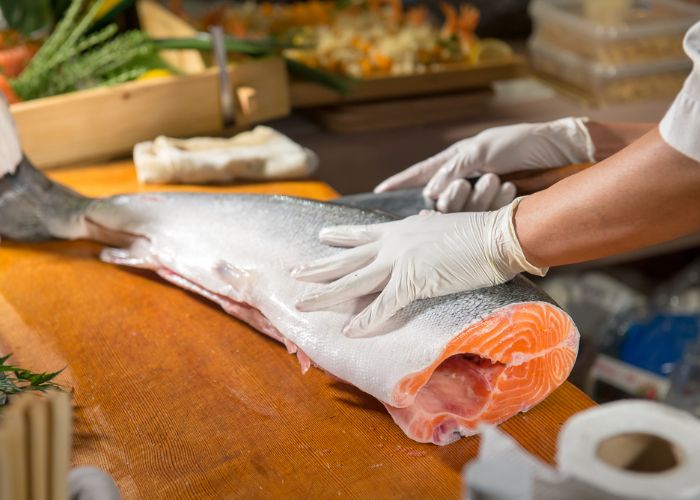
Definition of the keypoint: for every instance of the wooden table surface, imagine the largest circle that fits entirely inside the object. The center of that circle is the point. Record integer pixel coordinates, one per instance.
(176, 399)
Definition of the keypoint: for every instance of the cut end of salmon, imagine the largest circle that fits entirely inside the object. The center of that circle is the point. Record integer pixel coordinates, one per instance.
(491, 371)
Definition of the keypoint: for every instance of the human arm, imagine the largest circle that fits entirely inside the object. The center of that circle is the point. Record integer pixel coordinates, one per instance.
(646, 194)
(505, 150)
(610, 137)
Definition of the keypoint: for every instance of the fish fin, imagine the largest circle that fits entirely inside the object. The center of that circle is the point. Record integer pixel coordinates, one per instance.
(241, 280)
(400, 203)
(132, 257)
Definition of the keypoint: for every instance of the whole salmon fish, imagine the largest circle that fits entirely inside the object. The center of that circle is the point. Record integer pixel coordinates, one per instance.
(441, 366)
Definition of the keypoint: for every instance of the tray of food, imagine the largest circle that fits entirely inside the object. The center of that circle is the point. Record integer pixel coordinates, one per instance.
(375, 49)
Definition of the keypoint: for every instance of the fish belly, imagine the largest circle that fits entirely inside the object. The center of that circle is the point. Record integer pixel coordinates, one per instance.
(441, 366)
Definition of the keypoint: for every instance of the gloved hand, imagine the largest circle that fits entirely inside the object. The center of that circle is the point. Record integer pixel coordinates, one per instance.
(499, 150)
(422, 256)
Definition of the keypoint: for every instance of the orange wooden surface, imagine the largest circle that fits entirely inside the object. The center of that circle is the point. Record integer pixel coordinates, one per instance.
(176, 399)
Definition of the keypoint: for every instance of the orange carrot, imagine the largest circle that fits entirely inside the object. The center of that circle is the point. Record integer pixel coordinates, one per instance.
(13, 60)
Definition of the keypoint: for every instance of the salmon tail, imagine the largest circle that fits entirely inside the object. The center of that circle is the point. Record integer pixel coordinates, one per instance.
(32, 207)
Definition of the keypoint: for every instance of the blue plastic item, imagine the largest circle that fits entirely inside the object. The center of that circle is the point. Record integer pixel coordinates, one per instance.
(658, 345)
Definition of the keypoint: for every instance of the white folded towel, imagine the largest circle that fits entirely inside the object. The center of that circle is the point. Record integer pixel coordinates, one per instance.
(261, 154)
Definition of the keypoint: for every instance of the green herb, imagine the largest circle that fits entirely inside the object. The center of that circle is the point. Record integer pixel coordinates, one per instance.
(71, 59)
(14, 380)
(103, 65)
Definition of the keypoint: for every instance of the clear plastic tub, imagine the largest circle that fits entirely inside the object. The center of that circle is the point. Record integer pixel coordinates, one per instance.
(615, 31)
(608, 82)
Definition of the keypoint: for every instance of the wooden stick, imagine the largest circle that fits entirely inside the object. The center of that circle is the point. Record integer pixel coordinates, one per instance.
(38, 434)
(16, 454)
(61, 423)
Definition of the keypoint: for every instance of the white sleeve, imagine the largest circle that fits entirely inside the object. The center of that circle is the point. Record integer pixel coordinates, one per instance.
(680, 128)
(10, 151)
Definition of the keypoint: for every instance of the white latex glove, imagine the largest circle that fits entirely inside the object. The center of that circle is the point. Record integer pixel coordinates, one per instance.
(499, 150)
(488, 193)
(426, 255)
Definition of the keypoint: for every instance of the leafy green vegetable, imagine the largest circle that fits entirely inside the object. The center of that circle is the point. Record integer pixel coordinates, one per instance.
(14, 380)
(71, 59)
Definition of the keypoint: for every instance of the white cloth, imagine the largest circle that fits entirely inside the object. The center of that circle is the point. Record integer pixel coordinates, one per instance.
(680, 128)
(261, 154)
(10, 150)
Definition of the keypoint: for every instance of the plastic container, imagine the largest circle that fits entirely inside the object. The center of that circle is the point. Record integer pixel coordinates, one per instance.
(615, 31)
(606, 82)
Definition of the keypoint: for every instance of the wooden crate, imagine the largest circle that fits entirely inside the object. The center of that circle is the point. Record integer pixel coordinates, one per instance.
(105, 123)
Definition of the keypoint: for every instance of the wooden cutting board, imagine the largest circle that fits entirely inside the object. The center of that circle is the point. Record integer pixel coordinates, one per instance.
(176, 399)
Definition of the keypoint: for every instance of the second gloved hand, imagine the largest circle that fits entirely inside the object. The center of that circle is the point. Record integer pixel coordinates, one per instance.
(493, 152)
(422, 256)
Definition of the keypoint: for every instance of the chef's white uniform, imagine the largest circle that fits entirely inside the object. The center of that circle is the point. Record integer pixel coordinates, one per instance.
(680, 128)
